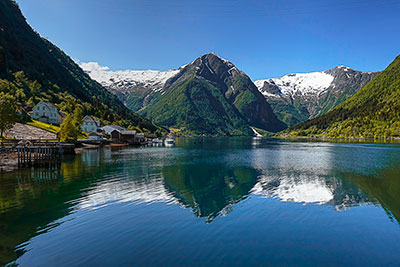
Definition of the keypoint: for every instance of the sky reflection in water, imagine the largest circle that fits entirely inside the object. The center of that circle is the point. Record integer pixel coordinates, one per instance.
(241, 201)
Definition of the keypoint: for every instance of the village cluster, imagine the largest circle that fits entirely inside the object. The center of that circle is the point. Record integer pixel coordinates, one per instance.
(48, 113)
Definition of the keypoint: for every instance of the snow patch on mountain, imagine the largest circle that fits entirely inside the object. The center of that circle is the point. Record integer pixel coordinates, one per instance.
(343, 67)
(300, 83)
(121, 78)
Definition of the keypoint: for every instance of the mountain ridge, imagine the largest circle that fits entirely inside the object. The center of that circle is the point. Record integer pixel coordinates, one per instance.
(319, 93)
(298, 97)
(212, 88)
(124, 82)
(373, 112)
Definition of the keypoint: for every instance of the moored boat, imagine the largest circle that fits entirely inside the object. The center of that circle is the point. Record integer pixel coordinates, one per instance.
(169, 141)
(157, 141)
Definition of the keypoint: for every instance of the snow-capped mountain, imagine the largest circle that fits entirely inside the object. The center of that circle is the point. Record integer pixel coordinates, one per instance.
(298, 83)
(294, 97)
(301, 96)
(123, 82)
(211, 96)
(163, 96)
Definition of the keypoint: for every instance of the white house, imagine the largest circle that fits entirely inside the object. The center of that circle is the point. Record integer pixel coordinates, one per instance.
(47, 113)
(90, 124)
(95, 136)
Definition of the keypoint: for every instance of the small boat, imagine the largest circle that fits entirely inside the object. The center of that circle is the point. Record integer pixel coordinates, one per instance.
(169, 141)
(157, 141)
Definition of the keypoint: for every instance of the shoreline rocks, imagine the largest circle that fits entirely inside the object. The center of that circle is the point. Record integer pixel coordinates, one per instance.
(8, 162)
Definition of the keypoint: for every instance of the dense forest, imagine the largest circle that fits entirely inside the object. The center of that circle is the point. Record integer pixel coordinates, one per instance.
(373, 112)
(33, 69)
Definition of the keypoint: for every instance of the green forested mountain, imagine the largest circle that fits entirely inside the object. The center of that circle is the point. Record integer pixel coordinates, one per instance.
(211, 96)
(373, 112)
(33, 69)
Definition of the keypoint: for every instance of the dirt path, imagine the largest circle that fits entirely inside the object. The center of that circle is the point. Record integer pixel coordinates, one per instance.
(24, 131)
(9, 160)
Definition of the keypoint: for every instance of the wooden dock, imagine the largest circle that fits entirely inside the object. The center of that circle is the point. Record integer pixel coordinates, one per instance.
(39, 156)
(16, 154)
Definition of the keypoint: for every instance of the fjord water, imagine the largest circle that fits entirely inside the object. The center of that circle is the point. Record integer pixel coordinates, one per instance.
(207, 202)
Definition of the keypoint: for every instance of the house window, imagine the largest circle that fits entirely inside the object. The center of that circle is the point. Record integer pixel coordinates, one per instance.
(43, 108)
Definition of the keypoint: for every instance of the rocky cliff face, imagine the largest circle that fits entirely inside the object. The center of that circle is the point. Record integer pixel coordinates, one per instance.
(301, 96)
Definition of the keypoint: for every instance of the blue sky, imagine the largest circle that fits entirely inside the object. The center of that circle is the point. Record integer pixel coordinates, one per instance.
(263, 38)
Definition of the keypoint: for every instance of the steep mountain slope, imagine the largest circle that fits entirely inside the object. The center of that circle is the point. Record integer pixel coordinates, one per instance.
(211, 96)
(58, 78)
(132, 87)
(298, 97)
(374, 111)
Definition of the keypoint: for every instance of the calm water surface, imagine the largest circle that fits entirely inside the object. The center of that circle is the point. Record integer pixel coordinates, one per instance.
(209, 202)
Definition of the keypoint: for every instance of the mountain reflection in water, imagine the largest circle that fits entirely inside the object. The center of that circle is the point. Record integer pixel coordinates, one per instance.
(208, 178)
(210, 190)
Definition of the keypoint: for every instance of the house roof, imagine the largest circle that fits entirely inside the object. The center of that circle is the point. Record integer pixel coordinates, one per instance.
(88, 118)
(115, 127)
(128, 132)
(48, 104)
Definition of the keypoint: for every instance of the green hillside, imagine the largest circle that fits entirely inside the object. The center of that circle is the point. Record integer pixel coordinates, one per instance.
(33, 69)
(373, 112)
(197, 107)
(211, 96)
